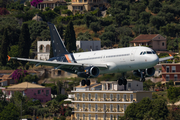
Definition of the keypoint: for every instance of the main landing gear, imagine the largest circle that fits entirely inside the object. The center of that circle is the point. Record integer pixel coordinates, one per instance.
(85, 82)
(143, 74)
(122, 81)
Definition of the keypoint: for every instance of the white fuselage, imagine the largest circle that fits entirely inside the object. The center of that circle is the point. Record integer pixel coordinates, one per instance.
(120, 59)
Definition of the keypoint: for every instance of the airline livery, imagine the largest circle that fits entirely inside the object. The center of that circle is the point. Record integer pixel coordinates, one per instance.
(140, 60)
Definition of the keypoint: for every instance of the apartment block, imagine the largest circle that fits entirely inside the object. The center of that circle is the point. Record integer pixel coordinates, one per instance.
(105, 100)
(171, 71)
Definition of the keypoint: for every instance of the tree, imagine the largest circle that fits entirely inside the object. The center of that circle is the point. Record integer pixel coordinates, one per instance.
(88, 18)
(173, 94)
(95, 26)
(10, 112)
(18, 75)
(155, 6)
(24, 42)
(70, 39)
(31, 78)
(4, 48)
(59, 87)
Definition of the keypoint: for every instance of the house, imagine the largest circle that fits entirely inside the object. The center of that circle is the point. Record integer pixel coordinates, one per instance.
(50, 3)
(154, 41)
(171, 71)
(106, 100)
(43, 50)
(31, 90)
(86, 5)
(88, 45)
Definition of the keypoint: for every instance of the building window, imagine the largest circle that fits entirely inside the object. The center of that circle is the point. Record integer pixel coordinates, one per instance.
(89, 96)
(124, 97)
(117, 97)
(83, 116)
(89, 116)
(39, 91)
(111, 96)
(111, 107)
(77, 116)
(77, 107)
(162, 43)
(167, 77)
(173, 68)
(96, 96)
(117, 108)
(175, 77)
(77, 96)
(129, 85)
(167, 68)
(96, 107)
(83, 96)
(131, 97)
(96, 117)
(47, 92)
(117, 117)
(83, 107)
(104, 96)
(80, 0)
(124, 107)
(85, 0)
(89, 107)
(104, 107)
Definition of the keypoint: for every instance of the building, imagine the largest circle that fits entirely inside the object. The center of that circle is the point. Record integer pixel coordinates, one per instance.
(43, 50)
(154, 41)
(86, 5)
(105, 100)
(50, 3)
(88, 45)
(31, 90)
(171, 71)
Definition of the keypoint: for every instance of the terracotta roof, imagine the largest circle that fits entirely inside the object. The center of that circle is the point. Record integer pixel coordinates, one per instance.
(6, 77)
(145, 37)
(54, 1)
(77, 4)
(140, 41)
(25, 85)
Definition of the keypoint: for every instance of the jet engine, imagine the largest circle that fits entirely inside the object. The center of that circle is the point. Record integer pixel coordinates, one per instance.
(89, 72)
(148, 72)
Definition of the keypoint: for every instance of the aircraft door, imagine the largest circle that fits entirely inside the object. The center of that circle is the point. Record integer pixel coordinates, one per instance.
(132, 56)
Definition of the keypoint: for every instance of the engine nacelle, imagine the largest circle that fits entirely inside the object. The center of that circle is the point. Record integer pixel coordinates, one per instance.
(89, 72)
(149, 72)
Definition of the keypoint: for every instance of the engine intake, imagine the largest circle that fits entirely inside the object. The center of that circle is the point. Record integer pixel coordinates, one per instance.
(89, 72)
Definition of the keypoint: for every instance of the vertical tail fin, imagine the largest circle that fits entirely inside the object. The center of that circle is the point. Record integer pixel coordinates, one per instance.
(56, 41)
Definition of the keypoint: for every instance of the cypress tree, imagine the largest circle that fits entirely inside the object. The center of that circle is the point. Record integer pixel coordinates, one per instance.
(24, 42)
(51, 51)
(70, 39)
(4, 48)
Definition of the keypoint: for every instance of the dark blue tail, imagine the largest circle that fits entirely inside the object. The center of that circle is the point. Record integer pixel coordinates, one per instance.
(56, 41)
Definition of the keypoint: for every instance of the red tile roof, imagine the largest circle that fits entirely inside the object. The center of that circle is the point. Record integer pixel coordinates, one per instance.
(145, 37)
(140, 41)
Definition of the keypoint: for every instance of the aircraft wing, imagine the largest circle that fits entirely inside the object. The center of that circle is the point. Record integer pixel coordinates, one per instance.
(69, 67)
(166, 58)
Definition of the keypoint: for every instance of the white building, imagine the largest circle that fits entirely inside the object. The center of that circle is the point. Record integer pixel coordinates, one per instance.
(88, 45)
(43, 50)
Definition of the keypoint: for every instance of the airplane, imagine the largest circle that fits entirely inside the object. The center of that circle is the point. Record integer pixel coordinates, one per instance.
(141, 60)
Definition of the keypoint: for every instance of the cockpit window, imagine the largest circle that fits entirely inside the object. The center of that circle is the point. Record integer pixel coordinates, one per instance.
(141, 53)
(149, 52)
(144, 53)
(153, 52)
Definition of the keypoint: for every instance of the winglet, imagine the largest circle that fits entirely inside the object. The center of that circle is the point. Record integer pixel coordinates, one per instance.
(170, 55)
(8, 57)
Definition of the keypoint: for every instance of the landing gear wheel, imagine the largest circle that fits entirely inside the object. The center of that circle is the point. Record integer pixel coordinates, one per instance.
(88, 82)
(120, 82)
(124, 81)
(83, 82)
